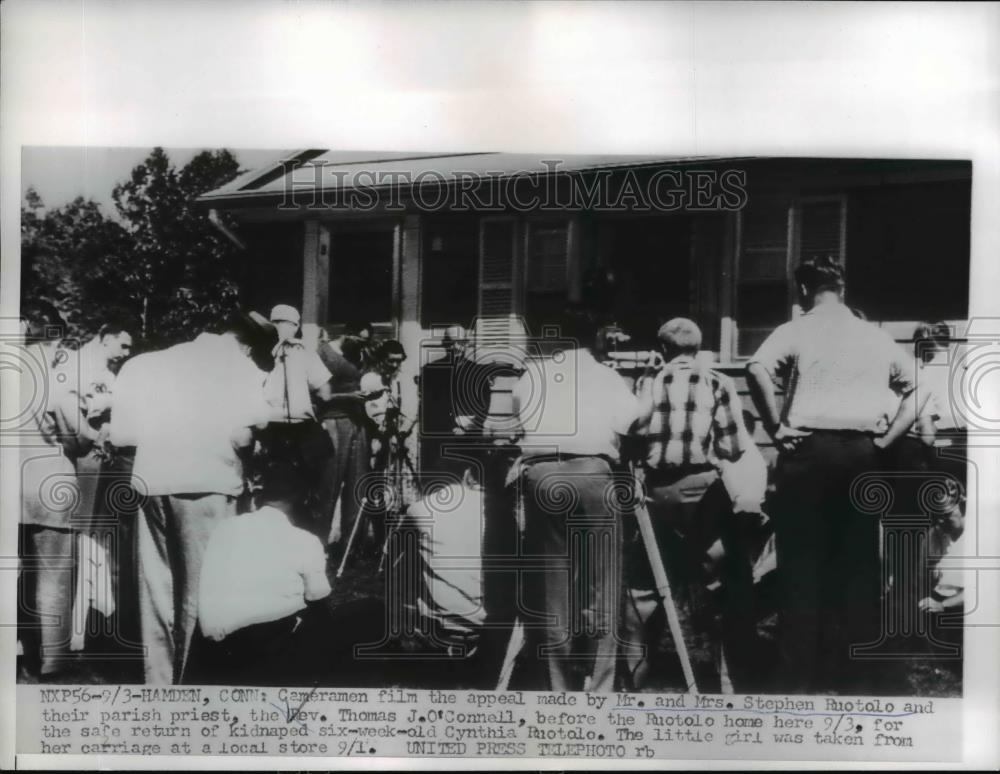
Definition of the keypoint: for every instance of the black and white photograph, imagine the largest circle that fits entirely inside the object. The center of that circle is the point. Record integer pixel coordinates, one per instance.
(495, 421)
(544, 385)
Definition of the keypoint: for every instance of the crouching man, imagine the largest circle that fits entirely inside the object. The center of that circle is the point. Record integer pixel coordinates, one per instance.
(263, 594)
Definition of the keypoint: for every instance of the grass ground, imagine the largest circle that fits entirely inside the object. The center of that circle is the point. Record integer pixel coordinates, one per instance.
(918, 674)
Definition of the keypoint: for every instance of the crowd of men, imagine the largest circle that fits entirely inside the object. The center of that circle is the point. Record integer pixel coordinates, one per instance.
(248, 455)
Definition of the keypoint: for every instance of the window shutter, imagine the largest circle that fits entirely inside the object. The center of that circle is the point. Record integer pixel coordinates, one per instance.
(821, 228)
(762, 292)
(497, 321)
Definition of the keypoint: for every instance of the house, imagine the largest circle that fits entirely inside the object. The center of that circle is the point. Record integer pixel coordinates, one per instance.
(414, 242)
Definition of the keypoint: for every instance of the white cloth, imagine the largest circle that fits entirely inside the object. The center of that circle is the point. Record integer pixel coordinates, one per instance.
(180, 408)
(258, 567)
(305, 374)
(836, 369)
(935, 385)
(746, 478)
(572, 404)
(951, 578)
(450, 525)
(93, 586)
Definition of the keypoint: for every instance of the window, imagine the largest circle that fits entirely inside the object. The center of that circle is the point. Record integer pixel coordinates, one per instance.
(762, 278)
(450, 283)
(361, 281)
(777, 235)
(909, 251)
(546, 269)
(525, 269)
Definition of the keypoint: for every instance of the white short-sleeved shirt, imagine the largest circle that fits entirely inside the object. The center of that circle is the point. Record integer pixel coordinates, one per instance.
(180, 408)
(305, 374)
(258, 567)
(836, 369)
(571, 404)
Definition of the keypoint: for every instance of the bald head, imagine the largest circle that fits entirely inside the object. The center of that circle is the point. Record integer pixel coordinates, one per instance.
(679, 336)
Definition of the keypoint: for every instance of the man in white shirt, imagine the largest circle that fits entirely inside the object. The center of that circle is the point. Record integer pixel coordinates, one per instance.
(298, 375)
(573, 411)
(50, 438)
(836, 369)
(260, 576)
(187, 410)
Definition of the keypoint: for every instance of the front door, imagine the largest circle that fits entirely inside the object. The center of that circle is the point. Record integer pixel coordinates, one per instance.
(361, 277)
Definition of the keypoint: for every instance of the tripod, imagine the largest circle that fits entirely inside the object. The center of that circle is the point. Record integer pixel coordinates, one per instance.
(641, 513)
(396, 465)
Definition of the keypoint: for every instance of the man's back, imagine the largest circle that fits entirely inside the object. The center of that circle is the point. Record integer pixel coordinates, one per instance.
(836, 369)
(572, 404)
(691, 416)
(180, 408)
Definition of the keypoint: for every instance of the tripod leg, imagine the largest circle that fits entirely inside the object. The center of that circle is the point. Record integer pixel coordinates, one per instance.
(350, 540)
(514, 647)
(663, 590)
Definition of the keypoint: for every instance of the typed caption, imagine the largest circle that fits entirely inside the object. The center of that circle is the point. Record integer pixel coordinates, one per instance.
(325, 722)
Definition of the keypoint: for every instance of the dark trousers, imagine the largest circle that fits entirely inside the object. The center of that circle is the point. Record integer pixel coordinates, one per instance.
(688, 515)
(295, 650)
(571, 600)
(828, 563)
(117, 512)
(307, 446)
(342, 477)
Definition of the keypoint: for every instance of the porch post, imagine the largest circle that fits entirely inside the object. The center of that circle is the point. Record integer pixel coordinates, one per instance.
(408, 304)
(315, 272)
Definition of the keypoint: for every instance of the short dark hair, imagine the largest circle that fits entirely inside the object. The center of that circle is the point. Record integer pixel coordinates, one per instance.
(389, 347)
(42, 321)
(353, 350)
(260, 339)
(355, 327)
(931, 336)
(117, 327)
(820, 273)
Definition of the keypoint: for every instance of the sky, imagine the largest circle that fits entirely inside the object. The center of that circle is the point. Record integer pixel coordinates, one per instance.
(60, 174)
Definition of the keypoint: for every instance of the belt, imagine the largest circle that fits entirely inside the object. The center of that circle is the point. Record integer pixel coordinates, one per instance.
(667, 476)
(848, 433)
(520, 464)
(562, 457)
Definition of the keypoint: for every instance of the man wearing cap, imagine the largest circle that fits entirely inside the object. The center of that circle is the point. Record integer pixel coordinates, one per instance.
(691, 423)
(835, 369)
(298, 375)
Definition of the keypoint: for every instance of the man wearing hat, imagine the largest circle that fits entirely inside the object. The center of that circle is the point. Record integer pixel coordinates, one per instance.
(294, 434)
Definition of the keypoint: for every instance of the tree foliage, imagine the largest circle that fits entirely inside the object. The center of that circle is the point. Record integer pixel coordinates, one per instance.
(163, 264)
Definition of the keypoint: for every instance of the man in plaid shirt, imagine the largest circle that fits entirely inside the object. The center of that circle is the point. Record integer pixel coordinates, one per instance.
(691, 413)
(691, 421)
